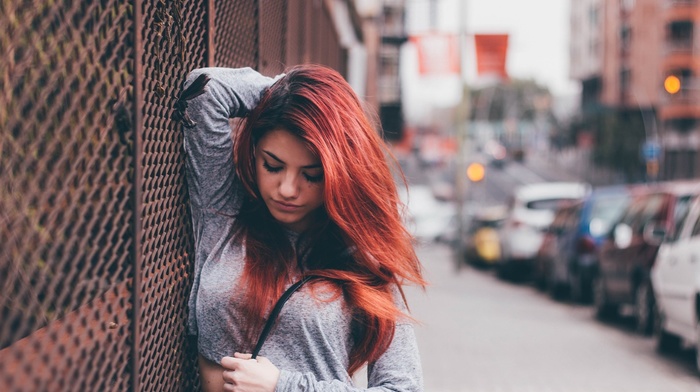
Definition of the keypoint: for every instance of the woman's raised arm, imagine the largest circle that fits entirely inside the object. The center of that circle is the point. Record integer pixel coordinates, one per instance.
(211, 178)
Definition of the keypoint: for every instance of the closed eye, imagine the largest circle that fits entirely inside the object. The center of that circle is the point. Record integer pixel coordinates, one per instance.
(271, 169)
(314, 179)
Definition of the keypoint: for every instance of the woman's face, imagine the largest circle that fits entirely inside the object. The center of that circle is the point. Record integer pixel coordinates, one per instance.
(289, 178)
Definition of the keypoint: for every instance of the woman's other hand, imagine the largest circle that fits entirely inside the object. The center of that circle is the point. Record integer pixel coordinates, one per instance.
(242, 374)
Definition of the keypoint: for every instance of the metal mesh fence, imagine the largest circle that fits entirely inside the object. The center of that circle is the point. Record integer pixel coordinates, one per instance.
(174, 42)
(236, 34)
(66, 203)
(95, 240)
(273, 37)
(95, 265)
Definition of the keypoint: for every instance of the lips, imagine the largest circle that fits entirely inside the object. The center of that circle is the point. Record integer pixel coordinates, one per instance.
(286, 206)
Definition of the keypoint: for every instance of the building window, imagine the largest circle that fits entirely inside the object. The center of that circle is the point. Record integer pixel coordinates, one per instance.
(625, 79)
(393, 25)
(625, 37)
(686, 78)
(593, 47)
(680, 35)
(389, 86)
(593, 16)
(681, 125)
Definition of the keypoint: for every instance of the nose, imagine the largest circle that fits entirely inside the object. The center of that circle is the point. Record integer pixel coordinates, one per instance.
(289, 186)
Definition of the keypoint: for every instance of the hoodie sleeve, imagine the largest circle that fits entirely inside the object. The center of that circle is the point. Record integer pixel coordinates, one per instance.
(211, 177)
(214, 188)
(397, 370)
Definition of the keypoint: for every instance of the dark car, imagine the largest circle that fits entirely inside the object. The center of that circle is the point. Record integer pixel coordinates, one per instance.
(628, 253)
(567, 260)
(481, 242)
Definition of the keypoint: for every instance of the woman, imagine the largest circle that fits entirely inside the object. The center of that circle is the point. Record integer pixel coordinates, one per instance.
(307, 191)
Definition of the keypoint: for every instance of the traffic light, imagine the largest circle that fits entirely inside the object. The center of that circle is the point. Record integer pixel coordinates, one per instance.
(672, 84)
(475, 172)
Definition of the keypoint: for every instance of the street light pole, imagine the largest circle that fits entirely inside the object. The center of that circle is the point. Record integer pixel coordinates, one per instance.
(462, 118)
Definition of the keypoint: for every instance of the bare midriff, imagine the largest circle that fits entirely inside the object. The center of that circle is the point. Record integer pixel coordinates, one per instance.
(210, 375)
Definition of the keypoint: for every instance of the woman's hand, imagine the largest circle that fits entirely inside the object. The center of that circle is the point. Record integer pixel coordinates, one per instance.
(242, 374)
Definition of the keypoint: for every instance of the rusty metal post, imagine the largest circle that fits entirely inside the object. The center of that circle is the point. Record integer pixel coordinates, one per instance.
(137, 194)
(211, 32)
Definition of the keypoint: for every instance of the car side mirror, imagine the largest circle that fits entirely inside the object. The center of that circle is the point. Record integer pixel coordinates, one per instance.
(653, 234)
(622, 235)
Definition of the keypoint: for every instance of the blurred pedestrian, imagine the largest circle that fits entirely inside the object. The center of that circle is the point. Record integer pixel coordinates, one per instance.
(307, 192)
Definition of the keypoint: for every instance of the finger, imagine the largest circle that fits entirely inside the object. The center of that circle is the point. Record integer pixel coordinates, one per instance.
(228, 376)
(230, 363)
(243, 356)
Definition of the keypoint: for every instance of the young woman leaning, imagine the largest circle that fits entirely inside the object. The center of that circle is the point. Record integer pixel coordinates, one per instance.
(301, 189)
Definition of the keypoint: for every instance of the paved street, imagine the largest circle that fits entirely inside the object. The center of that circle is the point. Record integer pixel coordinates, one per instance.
(481, 334)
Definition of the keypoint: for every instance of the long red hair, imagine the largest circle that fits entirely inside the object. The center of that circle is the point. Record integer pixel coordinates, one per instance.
(359, 242)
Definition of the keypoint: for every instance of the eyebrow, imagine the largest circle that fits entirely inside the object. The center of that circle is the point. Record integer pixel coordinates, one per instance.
(273, 156)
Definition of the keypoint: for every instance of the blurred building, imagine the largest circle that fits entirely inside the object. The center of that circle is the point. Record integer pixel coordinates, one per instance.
(586, 51)
(622, 50)
(384, 31)
(680, 112)
(348, 27)
(631, 50)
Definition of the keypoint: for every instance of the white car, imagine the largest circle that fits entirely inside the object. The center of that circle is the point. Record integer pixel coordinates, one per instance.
(427, 218)
(530, 212)
(675, 278)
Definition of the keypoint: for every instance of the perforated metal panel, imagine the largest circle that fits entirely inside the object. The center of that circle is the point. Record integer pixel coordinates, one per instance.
(273, 36)
(174, 42)
(95, 233)
(295, 32)
(236, 33)
(66, 201)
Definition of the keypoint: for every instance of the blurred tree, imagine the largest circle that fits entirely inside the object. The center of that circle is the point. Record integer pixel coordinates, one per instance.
(617, 140)
(516, 99)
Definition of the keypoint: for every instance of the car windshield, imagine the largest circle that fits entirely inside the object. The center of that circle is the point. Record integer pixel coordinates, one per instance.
(605, 212)
(547, 204)
(680, 212)
(609, 209)
(492, 223)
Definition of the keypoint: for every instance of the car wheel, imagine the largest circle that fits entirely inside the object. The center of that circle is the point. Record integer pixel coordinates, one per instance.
(603, 308)
(541, 274)
(503, 271)
(643, 306)
(555, 288)
(586, 289)
(665, 342)
(575, 290)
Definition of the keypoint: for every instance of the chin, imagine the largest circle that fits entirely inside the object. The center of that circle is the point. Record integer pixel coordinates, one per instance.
(286, 220)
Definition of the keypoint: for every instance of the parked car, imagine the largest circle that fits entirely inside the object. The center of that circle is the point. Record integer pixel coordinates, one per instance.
(480, 241)
(567, 260)
(544, 273)
(530, 212)
(629, 251)
(675, 279)
(547, 251)
(427, 218)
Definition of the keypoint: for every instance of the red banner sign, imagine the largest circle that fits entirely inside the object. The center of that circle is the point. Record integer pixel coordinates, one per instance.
(491, 50)
(438, 53)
